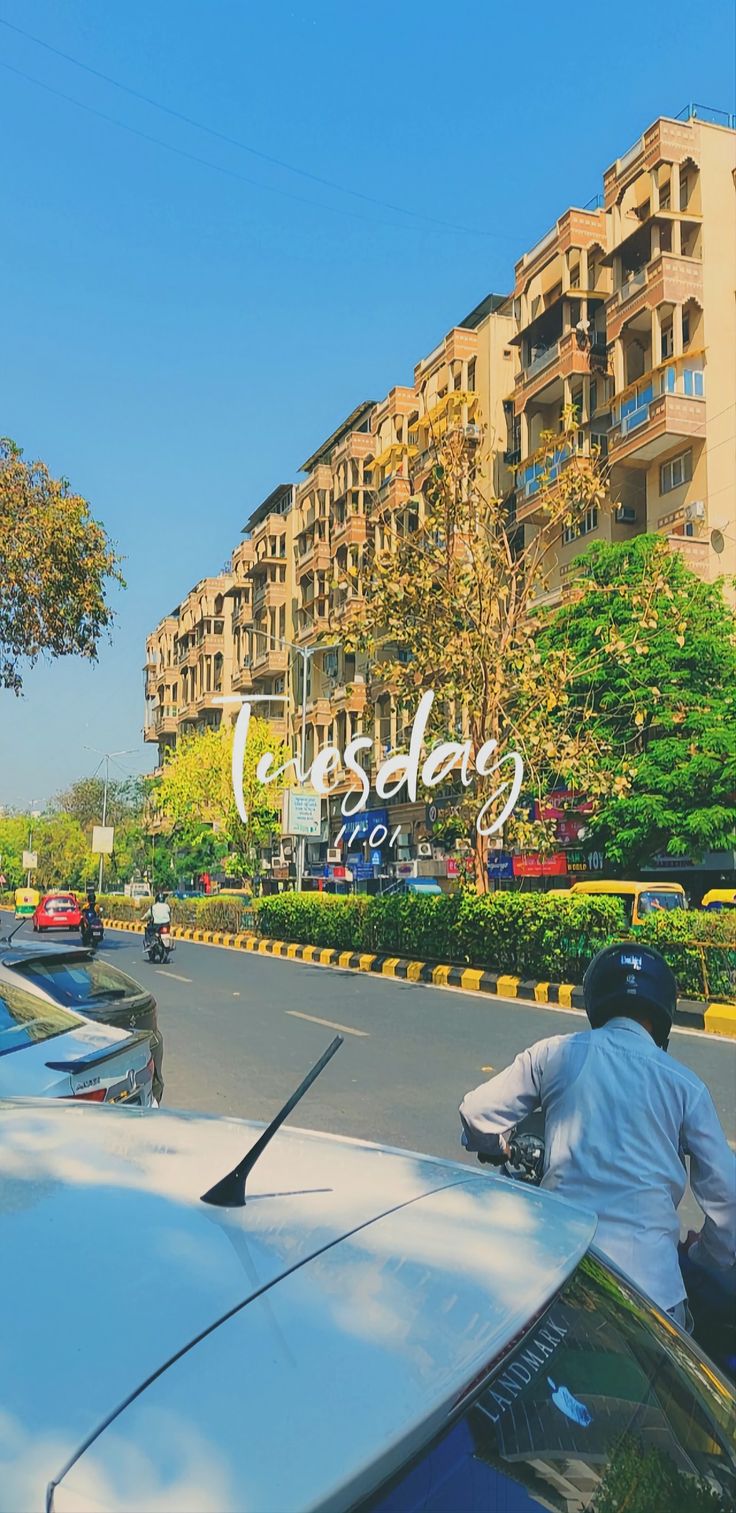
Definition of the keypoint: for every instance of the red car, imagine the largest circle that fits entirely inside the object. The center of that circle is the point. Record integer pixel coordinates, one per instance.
(57, 911)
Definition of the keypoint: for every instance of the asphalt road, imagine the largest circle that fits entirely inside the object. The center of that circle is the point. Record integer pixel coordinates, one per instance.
(241, 1030)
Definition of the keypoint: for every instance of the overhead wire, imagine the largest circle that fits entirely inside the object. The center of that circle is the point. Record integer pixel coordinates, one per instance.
(257, 152)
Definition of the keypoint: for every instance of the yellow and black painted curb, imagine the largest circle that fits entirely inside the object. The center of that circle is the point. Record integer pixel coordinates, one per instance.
(713, 1018)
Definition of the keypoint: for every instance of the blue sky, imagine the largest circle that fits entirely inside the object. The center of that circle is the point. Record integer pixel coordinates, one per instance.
(177, 337)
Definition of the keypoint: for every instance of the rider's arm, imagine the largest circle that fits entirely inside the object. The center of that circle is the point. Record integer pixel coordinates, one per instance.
(713, 1181)
(492, 1110)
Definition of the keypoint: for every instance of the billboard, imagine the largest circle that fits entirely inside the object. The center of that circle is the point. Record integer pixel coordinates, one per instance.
(301, 813)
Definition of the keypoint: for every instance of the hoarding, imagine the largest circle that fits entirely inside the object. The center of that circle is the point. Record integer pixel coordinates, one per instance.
(301, 813)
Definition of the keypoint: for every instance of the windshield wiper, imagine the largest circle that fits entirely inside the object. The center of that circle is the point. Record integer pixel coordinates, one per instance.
(229, 1192)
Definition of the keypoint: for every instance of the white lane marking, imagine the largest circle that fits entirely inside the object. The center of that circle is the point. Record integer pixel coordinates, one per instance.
(345, 1028)
(160, 972)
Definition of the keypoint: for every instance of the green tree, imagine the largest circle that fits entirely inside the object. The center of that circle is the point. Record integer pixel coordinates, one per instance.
(84, 800)
(64, 856)
(195, 791)
(642, 1479)
(661, 699)
(56, 562)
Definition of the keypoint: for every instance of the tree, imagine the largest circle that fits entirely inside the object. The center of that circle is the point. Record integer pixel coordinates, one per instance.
(661, 698)
(55, 563)
(451, 603)
(84, 800)
(195, 791)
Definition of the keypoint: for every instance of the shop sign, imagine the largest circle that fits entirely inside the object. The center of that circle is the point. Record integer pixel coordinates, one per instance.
(406, 869)
(301, 813)
(501, 864)
(585, 861)
(453, 866)
(534, 865)
(361, 870)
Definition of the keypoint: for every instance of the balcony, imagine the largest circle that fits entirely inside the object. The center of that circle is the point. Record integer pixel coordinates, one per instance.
(666, 406)
(268, 661)
(394, 492)
(666, 280)
(312, 620)
(351, 531)
(315, 557)
(572, 353)
(350, 696)
(268, 595)
(694, 552)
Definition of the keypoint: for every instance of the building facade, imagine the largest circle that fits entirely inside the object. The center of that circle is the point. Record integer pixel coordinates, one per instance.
(622, 314)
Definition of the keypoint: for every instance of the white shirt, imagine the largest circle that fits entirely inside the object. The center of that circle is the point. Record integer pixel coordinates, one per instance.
(160, 914)
(620, 1116)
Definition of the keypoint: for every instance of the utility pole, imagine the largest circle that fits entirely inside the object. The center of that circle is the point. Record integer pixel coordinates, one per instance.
(33, 815)
(107, 757)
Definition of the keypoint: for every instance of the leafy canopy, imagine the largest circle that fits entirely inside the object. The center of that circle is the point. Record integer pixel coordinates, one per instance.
(55, 563)
(661, 699)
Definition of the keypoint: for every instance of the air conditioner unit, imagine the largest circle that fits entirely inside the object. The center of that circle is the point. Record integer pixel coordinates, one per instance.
(424, 848)
(334, 853)
(472, 433)
(625, 515)
(695, 511)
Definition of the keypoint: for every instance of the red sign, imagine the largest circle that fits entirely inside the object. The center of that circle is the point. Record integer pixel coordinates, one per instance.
(534, 865)
(453, 867)
(337, 872)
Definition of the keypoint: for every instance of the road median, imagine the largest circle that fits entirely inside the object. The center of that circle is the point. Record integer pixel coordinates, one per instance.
(713, 1018)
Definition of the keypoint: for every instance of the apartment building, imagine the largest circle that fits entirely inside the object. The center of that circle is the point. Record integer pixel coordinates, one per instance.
(625, 310)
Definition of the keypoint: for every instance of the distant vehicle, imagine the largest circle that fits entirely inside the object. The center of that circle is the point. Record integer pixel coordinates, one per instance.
(57, 911)
(26, 900)
(77, 980)
(137, 890)
(49, 1052)
(719, 898)
(370, 1330)
(638, 899)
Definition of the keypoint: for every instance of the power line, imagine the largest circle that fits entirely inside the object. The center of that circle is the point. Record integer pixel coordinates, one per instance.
(231, 141)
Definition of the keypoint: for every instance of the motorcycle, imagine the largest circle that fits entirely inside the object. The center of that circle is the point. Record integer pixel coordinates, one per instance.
(158, 943)
(710, 1296)
(91, 928)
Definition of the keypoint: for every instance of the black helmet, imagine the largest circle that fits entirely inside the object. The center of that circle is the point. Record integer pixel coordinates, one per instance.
(626, 976)
(160, 898)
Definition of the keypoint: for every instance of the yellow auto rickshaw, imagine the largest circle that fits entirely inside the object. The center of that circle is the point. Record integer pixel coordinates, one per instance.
(638, 899)
(26, 901)
(718, 898)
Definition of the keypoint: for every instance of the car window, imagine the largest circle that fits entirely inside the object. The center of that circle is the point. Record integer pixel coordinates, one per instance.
(628, 900)
(75, 983)
(601, 1407)
(27, 1020)
(653, 899)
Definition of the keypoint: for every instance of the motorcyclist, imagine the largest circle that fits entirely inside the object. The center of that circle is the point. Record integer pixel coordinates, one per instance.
(620, 1116)
(159, 914)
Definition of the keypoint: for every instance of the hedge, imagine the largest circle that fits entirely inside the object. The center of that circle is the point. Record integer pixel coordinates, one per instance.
(529, 935)
(700, 948)
(215, 913)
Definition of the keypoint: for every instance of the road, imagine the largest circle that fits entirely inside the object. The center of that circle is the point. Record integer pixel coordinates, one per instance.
(241, 1030)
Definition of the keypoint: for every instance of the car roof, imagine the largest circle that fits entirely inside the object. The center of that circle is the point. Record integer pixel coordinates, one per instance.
(406, 1272)
(618, 885)
(23, 951)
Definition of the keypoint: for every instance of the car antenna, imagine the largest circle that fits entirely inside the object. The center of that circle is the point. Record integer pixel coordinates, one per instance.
(6, 939)
(229, 1192)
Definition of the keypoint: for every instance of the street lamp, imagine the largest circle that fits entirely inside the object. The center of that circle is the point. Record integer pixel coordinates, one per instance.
(305, 652)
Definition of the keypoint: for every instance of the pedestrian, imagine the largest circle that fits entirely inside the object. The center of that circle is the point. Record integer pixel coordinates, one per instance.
(620, 1116)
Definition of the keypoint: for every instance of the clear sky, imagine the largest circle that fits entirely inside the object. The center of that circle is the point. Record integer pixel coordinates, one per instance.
(178, 335)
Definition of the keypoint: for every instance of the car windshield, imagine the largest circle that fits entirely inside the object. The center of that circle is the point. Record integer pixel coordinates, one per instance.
(656, 898)
(602, 1406)
(27, 1020)
(76, 982)
(63, 902)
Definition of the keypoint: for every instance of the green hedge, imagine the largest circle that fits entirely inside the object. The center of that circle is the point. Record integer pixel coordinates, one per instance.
(529, 935)
(227, 914)
(700, 948)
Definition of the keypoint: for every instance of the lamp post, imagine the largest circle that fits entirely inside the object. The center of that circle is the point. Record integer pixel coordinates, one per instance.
(305, 652)
(107, 757)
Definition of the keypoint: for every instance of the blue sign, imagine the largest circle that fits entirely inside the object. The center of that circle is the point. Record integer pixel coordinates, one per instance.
(359, 826)
(360, 869)
(376, 858)
(501, 864)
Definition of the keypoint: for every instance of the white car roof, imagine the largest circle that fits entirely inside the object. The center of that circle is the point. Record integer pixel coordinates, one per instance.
(251, 1358)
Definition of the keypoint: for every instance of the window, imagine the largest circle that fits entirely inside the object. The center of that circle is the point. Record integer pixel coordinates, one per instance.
(685, 328)
(676, 471)
(28, 1020)
(584, 527)
(471, 375)
(652, 901)
(667, 342)
(76, 983)
(601, 1405)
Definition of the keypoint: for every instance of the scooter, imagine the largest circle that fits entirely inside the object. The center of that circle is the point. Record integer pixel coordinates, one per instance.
(158, 943)
(91, 928)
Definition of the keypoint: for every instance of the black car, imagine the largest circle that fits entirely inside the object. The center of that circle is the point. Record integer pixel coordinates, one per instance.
(80, 979)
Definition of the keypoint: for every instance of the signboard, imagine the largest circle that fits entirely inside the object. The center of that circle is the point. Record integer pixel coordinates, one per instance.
(301, 813)
(534, 865)
(30, 860)
(361, 870)
(453, 866)
(585, 861)
(102, 838)
(501, 864)
(406, 869)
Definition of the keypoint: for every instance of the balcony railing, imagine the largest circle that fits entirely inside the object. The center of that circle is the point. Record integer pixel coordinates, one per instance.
(542, 360)
(688, 380)
(636, 281)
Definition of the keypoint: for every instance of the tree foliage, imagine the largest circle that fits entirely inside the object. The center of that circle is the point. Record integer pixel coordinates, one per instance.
(55, 564)
(451, 603)
(195, 791)
(661, 698)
